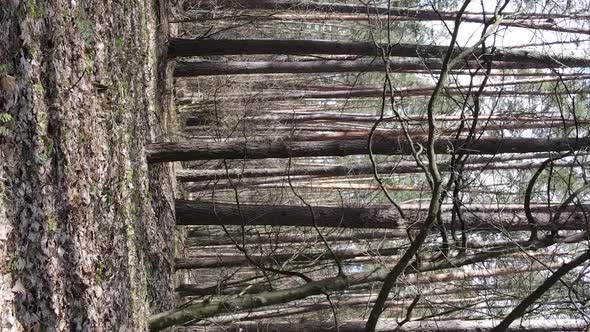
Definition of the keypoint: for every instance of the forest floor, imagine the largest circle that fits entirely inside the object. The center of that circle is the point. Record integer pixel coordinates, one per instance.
(86, 227)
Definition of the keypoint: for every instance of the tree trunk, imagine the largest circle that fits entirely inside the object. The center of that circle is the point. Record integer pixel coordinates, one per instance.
(418, 14)
(539, 325)
(183, 151)
(205, 68)
(194, 175)
(378, 93)
(346, 134)
(189, 175)
(445, 277)
(198, 213)
(294, 117)
(196, 239)
(237, 15)
(179, 47)
(282, 182)
(208, 262)
(395, 306)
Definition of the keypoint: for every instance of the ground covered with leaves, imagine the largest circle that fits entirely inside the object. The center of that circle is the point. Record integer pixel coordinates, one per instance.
(86, 238)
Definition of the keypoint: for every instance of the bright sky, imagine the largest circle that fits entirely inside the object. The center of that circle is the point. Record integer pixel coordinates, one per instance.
(512, 36)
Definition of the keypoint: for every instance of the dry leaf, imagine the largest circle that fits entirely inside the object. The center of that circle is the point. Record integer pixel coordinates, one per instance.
(8, 84)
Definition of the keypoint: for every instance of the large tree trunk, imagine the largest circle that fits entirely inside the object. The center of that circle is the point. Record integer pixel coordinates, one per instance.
(489, 218)
(182, 151)
(179, 47)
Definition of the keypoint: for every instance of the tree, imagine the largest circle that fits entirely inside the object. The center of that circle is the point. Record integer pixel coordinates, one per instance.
(204, 68)
(162, 152)
(391, 325)
(477, 217)
(268, 244)
(204, 310)
(202, 47)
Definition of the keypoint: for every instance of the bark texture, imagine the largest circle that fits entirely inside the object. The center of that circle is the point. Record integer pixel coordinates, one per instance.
(179, 47)
(194, 150)
(199, 213)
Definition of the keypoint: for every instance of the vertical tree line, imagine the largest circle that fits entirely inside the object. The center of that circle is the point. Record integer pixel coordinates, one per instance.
(366, 178)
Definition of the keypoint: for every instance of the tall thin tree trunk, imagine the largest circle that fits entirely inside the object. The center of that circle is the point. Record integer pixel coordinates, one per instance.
(189, 175)
(196, 239)
(417, 13)
(179, 47)
(488, 218)
(539, 325)
(207, 262)
(187, 150)
(205, 68)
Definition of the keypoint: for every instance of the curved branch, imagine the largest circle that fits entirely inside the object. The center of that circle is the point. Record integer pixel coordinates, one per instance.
(528, 193)
(545, 286)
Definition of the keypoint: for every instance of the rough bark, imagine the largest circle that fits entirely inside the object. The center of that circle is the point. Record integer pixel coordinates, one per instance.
(188, 150)
(179, 47)
(199, 213)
